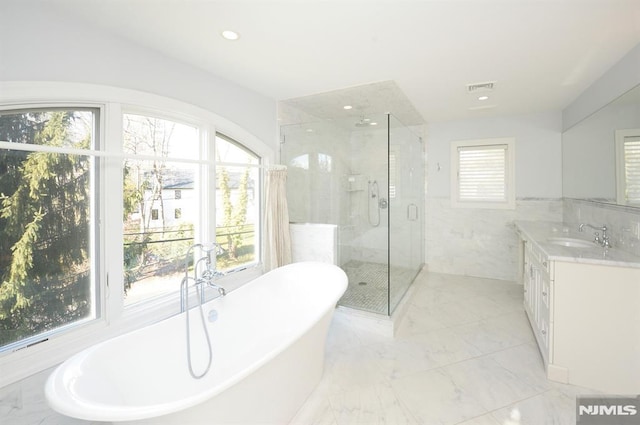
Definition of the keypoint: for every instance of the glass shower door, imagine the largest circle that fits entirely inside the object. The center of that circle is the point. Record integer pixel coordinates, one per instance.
(406, 183)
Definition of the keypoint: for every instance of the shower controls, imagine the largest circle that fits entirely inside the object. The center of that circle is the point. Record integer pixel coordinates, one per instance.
(374, 203)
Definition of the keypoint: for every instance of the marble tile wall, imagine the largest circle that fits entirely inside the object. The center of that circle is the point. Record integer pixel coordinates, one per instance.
(480, 242)
(23, 403)
(623, 222)
(314, 242)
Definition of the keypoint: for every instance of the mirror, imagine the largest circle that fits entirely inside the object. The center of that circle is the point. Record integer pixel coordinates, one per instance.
(590, 158)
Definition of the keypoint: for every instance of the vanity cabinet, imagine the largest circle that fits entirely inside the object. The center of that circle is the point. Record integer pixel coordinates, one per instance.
(585, 317)
(537, 297)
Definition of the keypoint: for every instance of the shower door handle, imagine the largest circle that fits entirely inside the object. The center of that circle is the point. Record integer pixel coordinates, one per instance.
(412, 212)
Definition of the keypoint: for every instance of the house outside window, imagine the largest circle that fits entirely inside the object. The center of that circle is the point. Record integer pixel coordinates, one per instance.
(162, 158)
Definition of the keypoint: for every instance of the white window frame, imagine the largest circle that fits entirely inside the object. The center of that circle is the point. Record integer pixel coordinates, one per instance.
(621, 181)
(509, 145)
(114, 318)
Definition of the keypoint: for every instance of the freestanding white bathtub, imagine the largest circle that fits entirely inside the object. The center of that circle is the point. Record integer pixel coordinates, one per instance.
(268, 355)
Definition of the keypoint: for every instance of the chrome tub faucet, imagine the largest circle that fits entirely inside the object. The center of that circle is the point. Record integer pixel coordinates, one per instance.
(201, 278)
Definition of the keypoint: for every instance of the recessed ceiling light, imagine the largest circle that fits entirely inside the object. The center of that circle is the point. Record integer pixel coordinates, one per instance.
(373, 123)
(483, 97)
(309, 130)
(347, 107)
(230, 35)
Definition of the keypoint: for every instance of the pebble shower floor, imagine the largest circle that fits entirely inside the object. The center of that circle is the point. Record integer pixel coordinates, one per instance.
(367, 288)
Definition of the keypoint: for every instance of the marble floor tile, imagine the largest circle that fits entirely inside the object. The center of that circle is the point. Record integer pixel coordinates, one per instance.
(487, 419)
(497, 333)
(316, 411)
(525, 362)
(419, 319)
(434, 295)
(351, 369)
(434, 398)
(489, 382)
(467, 310)
(508, 301)
(421, 352)
(551, 407)
(377, 404)
(344, 334)
(442, 346)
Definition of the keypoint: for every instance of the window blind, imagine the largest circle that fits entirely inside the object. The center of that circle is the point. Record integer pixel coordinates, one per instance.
(482, 173)
(632, 170)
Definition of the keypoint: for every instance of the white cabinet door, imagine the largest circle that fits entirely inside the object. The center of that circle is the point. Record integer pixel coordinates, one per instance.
(537, 298)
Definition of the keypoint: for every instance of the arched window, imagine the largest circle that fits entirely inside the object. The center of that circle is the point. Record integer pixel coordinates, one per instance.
(99, 201)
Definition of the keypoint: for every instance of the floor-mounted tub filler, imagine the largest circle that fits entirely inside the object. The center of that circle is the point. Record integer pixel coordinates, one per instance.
(268, 341)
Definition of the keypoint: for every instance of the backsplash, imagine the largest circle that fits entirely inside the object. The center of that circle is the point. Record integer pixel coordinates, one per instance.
(623, 222)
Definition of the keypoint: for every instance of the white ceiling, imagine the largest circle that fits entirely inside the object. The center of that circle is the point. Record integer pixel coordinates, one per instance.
(541, 53)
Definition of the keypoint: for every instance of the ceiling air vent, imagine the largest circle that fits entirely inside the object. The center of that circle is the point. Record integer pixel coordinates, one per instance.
(480, 87)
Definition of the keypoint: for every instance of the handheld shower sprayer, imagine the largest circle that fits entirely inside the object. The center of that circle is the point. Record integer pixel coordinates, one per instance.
(201, 279)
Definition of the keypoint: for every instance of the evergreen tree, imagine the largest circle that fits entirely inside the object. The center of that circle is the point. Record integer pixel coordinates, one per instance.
(44, 262)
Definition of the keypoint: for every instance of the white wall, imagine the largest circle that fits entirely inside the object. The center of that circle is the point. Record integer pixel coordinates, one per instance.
(481, 242)
(39, 43)
(538, 147)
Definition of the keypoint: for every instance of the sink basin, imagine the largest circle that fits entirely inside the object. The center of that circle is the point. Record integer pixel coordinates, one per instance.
(572, 242)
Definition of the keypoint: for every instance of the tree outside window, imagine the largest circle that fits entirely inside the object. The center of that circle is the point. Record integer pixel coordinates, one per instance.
(46, 235)
(236, 203)
(155, 235)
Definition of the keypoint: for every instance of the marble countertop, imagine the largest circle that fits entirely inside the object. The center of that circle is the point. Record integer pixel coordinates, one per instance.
(539, 232)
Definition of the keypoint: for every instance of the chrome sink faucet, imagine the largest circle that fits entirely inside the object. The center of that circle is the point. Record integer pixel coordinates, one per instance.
(603, 240)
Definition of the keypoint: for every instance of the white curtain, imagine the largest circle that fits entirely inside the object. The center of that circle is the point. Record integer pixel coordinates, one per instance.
(276, 220)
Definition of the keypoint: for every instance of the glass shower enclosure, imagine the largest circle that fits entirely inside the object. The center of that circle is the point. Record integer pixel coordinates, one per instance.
(367, 178)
